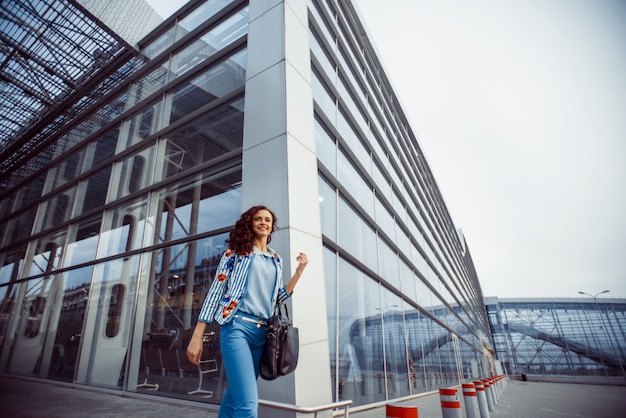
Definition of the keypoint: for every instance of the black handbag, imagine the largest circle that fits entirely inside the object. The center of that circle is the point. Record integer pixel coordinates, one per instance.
(282, 345)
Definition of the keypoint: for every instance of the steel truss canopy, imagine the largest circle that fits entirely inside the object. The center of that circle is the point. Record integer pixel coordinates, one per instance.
(49, 49)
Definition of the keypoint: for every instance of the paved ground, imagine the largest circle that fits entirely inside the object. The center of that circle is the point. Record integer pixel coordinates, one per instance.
(23, 398)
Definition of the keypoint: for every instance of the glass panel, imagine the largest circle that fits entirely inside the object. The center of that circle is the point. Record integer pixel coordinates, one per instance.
(66, 334)
(360, 355)
(354, 184)
(199, 16)
(328, 209)
(94, 191)
(330, 276)
(105, 344)
(182, 275)
(215, 40)
(415, 348)
(203, 139)
(356, 236)
(18, 228)
(101, 149)
(191, 207)
(82, 248)
(388, 263)
(147, 85)
(47, 253)
(159, 45)
(140, 126)
(210, 85)
(64, 171)
(25, 195)
(317, 50)
(7, 308)
(133, 173)
(123, 229)
(396, 362)
(324, 99)
(11, 265)
(55, 210)
(326, 148)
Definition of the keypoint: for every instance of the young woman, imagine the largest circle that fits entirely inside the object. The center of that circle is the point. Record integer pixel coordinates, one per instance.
(248, 284)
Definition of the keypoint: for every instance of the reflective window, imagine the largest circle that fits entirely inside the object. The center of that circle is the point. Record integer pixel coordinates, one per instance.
(147, 85)
(388, 263)
(353, 143)
(199, 16)
(133, 173)
(210, 85)
(360, 344)
(324, 98)
(208, 137)
(396, 362)
(330, 278)
(325, 147)
(215, 40)
(18, 227)
(199, 205)
(101, 149)
(123, 229)
(356, 236)
(11, 264)
(328, 209)
(47, 252)
(139, 126)
(93, 191)
(354, 184)
(82, 243)
(75, 293)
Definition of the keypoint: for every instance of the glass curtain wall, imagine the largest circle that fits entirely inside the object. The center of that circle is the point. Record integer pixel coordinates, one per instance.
(404, 316)
(560, 338)
(107, 251)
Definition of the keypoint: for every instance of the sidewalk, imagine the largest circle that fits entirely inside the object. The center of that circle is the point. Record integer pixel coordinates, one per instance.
(24, 398)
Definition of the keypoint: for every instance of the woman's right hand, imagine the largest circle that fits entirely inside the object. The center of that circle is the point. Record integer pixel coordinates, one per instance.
(194, 350)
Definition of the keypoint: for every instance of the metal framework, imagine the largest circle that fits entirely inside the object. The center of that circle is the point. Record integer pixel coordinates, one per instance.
(51, 51)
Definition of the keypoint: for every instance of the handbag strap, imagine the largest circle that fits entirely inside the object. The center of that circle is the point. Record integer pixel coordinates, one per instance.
(277, 310)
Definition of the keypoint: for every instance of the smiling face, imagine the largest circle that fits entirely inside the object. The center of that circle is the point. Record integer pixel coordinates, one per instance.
(262, 223)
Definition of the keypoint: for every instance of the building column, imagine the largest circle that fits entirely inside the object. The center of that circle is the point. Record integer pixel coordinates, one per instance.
(280, 171)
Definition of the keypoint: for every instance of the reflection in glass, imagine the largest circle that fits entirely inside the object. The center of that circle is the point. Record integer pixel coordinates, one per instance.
(360, 344)
(199, 16)
(215, 40)
(216, 82)
(123, 229)
(396, 362)
(180, 279)
(204, 139)
(67, 332)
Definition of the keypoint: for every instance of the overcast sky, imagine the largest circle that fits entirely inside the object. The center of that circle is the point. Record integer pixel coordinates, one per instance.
(520, 109)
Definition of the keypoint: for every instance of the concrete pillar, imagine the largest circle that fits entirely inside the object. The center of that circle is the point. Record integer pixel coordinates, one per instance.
(280, 171)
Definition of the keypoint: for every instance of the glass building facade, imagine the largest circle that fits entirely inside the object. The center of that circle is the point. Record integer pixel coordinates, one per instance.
(579, 337)
(116, 202)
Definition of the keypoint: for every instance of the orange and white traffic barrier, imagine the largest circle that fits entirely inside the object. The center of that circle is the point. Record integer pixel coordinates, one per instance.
(400, 411)
(488, 394)
(450, 403)
(483, 406)
(471, 401)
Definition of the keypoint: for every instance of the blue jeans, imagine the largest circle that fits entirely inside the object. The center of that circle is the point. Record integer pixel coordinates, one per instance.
(241, 343)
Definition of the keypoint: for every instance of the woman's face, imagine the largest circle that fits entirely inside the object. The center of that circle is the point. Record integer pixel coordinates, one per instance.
(262, 223)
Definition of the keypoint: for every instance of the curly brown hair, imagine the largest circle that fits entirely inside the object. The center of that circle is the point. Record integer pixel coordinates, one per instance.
(240, 240)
